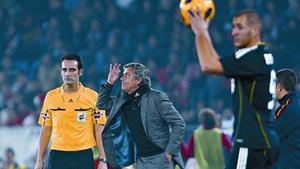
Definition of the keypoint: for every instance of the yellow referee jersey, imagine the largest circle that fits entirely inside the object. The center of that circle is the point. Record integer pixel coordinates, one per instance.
(72, 117)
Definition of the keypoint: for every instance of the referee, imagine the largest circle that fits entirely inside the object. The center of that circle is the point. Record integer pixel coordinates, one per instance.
(70, 118)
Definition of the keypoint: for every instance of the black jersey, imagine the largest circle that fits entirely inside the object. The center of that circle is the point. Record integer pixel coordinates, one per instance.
(253, 88)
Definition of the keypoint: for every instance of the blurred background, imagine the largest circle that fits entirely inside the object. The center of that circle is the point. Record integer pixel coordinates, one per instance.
(35, 34)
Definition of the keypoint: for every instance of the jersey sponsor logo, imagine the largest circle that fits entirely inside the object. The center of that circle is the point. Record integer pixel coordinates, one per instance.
(81, 116)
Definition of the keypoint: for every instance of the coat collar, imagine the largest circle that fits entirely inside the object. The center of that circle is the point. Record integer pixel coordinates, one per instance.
(122, 98)
(286, 97)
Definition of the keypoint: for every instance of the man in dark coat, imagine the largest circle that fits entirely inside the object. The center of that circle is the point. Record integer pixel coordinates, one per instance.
(287, 120)
(143, 126)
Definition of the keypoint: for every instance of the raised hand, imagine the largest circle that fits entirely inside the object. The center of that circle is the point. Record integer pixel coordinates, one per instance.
(198, 23)
(114, 73)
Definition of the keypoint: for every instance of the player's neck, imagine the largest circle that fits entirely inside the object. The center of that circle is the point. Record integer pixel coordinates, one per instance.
(254, 42)
(70, 88)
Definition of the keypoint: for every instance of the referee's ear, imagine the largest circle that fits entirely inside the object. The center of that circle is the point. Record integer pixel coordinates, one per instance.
(80, 72)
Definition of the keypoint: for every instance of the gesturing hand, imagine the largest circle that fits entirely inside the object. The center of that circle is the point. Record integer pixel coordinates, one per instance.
(198, 23)
(114, 73)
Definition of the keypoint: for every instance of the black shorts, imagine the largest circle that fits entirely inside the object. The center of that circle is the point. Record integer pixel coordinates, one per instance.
(247, 158)
(82, 159)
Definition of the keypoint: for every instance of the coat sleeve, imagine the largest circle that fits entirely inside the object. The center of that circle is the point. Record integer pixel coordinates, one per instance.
(104, 101)
(175, 121)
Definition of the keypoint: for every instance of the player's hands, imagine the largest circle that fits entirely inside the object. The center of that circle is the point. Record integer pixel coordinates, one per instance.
(198, 23)
(102, 165)
(114, 73)
(39, 165)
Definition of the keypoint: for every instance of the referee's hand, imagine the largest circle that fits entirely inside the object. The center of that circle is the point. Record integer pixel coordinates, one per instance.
(39, 165)
(102, 165)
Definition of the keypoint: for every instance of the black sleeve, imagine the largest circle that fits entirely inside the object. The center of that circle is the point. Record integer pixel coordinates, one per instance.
(105, 101)
(249, 64)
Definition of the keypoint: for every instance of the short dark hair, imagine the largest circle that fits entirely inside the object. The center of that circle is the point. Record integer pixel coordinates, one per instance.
(252, 17)
(10, 150)
(207, 117)
(73, 57)
(287, 78)
(140, 71)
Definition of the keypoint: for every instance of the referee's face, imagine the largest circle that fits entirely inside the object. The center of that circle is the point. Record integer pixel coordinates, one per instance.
(69, 71)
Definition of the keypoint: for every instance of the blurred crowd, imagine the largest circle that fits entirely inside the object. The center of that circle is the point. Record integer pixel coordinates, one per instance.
(34, 35)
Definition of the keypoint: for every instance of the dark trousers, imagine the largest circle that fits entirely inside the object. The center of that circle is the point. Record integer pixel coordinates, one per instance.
(247, 158)
(82, 159)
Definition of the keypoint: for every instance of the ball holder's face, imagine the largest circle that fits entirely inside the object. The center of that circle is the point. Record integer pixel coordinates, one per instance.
(206, 7)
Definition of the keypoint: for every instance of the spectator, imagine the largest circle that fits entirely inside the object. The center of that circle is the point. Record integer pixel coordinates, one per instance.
(9, 161)
(227, 122)
(208, 144)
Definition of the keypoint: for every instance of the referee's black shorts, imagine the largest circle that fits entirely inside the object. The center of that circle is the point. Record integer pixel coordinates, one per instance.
(82, 159)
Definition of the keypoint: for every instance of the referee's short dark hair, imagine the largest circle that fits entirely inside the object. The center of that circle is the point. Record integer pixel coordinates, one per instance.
(73, 57)
(287, 78)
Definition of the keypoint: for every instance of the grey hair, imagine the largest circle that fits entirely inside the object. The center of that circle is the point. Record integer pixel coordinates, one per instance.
(140, 71)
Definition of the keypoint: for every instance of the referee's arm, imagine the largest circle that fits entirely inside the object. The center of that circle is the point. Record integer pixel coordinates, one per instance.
(43, 144)
(98, 135)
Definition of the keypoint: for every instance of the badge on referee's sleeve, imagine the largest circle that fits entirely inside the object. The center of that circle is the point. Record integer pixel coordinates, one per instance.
(99, 116)
(45, 118)
(44, 115)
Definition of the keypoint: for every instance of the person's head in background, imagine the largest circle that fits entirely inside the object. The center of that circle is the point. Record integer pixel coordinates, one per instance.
(208, 118)
(227, 114)
(9, 155)
(286, 81)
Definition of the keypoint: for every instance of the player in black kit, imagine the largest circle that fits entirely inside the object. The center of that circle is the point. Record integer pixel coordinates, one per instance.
(255, 143)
